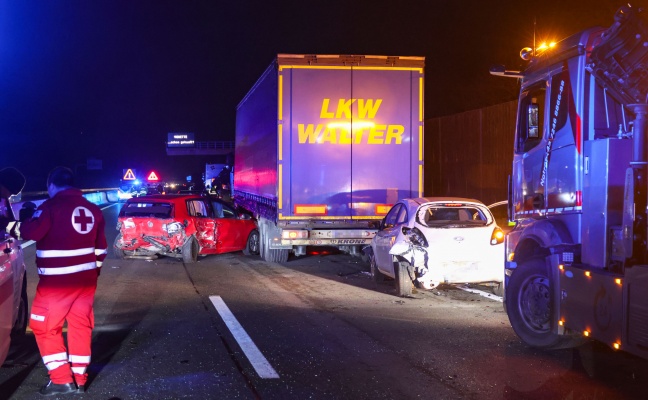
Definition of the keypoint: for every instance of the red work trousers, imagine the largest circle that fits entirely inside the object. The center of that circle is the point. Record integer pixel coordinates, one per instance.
(54, 304)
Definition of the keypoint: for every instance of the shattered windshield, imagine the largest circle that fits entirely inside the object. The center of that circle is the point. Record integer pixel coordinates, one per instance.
(453, 215)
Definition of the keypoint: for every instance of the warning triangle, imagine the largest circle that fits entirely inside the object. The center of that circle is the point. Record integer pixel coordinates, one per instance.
(129, 175)
(152, 176)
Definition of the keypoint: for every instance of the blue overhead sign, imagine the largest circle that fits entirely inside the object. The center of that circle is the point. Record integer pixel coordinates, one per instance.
(179, 139)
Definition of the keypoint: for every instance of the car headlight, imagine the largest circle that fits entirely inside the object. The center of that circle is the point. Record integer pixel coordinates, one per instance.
(497, 236)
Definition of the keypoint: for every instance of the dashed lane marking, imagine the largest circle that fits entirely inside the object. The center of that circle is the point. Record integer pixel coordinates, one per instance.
(254, 355)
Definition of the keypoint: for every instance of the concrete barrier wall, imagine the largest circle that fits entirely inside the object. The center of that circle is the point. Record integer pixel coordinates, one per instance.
(97, 198)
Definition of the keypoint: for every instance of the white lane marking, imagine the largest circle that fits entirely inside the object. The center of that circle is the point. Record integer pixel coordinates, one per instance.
(482, 293)
(258, 361)
(30, 242)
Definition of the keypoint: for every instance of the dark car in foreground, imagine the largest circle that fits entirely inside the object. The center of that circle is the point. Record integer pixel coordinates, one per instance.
(183, 226)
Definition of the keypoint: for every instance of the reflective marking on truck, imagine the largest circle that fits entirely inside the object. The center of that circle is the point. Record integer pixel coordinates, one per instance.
(550, 211)
(340, 218)
(323, 242)
(356, 68)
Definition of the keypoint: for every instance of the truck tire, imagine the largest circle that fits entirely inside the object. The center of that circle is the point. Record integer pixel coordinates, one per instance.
(119, 253)
(529, 305)
(403, 278)
(190, 251)
(252, 246)
(22, 319)
(377, 276)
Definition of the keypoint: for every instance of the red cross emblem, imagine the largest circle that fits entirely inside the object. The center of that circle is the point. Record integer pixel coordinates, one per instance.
(82, 220)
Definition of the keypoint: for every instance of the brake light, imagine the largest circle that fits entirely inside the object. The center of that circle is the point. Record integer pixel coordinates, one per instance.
(294, 234)
(497, 236)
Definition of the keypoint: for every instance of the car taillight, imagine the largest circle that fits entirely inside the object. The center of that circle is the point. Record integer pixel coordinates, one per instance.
(415, 236)
(497, 236)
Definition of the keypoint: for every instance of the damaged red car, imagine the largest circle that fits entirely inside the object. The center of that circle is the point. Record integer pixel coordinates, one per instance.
(183, 226)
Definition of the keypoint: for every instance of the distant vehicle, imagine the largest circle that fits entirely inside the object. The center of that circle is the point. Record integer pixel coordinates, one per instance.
(125, 192)
(325, 145)
(183, 226)
(436, 240)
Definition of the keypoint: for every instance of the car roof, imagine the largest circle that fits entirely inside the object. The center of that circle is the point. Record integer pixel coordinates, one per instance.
(422, 200)
(164, 198)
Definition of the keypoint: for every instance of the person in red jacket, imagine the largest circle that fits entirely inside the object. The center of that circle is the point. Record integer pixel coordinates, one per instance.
(70, 248)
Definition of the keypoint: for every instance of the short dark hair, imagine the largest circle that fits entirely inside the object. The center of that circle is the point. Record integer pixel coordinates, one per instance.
(61, 177)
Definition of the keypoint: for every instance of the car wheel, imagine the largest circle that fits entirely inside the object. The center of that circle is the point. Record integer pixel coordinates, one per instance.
(252, 246)
(377, 276)
(529, 304)
(119, 253)
(190, 251)
(403, 278)
(22, 319)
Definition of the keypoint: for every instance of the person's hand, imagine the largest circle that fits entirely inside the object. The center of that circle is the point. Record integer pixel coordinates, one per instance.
(27, 211)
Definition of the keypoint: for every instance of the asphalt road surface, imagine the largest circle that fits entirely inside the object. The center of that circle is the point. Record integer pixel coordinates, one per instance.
(316, 327)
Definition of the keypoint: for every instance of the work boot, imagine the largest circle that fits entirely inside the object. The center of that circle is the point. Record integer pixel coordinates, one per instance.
(53, 389)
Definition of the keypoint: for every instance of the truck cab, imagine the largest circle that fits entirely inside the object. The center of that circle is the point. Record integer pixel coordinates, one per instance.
(578, 191)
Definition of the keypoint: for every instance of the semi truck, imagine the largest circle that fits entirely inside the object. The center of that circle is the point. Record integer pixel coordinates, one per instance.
(577, 260)
(325, 144)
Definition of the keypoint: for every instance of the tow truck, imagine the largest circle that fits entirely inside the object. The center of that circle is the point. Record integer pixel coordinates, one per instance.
(577, 260)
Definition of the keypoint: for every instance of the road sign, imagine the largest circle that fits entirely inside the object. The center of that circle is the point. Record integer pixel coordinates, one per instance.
(153, 176)
(129, 175)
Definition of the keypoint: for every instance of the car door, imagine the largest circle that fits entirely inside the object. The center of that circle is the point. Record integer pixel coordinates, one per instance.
(231, 231)
(11, 272)
(385, 238)
(205, 223)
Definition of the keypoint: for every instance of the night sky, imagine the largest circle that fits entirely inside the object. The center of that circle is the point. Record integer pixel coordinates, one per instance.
(108, 79)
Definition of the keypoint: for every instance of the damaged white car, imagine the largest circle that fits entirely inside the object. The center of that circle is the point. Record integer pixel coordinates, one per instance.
(434, 240)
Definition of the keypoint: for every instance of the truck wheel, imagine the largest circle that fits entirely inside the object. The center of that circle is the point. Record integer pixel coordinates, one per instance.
(252, 246)
(529, 304)
(22, 319)
(377, 276)
(403, 278)
(119, 253)
(190, 251)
